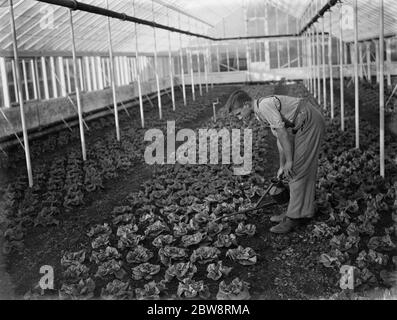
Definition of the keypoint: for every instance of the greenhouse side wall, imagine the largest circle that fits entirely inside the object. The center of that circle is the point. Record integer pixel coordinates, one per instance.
(46, 112)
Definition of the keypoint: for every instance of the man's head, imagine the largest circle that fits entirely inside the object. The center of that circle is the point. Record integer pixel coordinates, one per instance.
(240, 104)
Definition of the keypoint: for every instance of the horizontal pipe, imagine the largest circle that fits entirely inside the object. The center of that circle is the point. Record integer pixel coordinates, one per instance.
(75, 5)
(321, 13)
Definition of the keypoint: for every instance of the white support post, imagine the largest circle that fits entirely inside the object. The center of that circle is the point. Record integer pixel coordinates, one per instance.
(218, 62)
(382, 90)
(324, 65)
(247, 50)
(112, 77)
(361, 61)
(171, 73)
(356, 81)
(69, 88)
(288, 44)
(237, 58)
(331, 66)
(34, 78)
(182, 63)
(199, 67)
(192, 75)
(14, 77)
(25, 80)
(77, 88)
(94, 73)
(45, 78)
(277, 41)
(368, 54)
(388, 55)
(80, 64)
(88, 73)
(100, 72)
(377, 59)
(4, 83)
(341, 63)
(266, 43)
(21, 102)
(62, 77)
(319, 61)
(156, 67)
(137, 70)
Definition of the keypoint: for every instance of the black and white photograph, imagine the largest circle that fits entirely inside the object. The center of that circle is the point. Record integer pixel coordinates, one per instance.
(195, 156)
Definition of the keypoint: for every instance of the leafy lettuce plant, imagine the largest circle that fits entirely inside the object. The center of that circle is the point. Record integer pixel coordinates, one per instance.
(191, 289)
(215, 271)
(82, 290)
(180, 270)
(116, 290)
(168, 254)
(236, 290)
(204, 254)
(162, 240)
(145, 271)
(244, 256)
(139, 255)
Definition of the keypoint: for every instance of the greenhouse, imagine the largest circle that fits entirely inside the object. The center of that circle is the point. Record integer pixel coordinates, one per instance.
(185, 150)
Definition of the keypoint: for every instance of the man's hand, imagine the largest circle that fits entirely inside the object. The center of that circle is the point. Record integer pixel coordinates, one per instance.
(280, 172)
(288, 172)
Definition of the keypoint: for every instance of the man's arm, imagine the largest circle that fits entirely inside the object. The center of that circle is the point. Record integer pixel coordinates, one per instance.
(285, 143)
(281, 152)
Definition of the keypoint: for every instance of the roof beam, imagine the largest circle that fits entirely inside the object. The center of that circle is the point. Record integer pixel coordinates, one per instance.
(75, 5)
(164, 4)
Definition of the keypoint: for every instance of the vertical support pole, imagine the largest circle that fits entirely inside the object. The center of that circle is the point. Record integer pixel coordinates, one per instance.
(247, 51)
(377, 58)
(4, 83)
(45, 78)
(100, 72)
(388, 54)
(218, 58)
(237, 58)
(88, 73)
(368, 54)
(94, 74)
(170, 64)
(356, 83)
(298, 43)
(68, 78)
(21, 102)
(137, 70)
(112, 77)
(210, 62)
(324, 65)
(14, 77)
(62, 76)
(318, 68)
(25, 79)
(266, 43)
(313, 61)
(341, 63)
(191, 74)
(331, 66)
(382, 89)
(205, 55)
(227, 47)
(156, 67)
(80, 64)
(288, 44)
(277, 41)
(77, 87)
(361, 61)
(182, 64)
(34, 78)
(199, 66)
